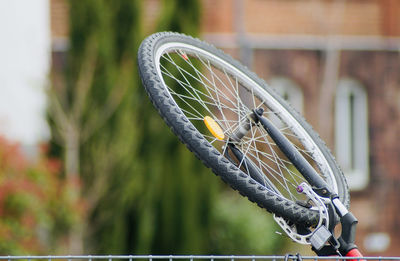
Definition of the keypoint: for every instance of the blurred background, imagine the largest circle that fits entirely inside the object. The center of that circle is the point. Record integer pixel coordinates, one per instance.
(88, 166)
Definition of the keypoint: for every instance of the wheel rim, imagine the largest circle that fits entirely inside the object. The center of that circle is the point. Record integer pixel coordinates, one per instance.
(227, 95)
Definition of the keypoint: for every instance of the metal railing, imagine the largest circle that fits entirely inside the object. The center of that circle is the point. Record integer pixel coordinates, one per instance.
(186, 257)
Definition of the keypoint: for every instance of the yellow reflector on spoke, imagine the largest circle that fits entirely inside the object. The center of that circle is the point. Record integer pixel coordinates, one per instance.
(214, 128)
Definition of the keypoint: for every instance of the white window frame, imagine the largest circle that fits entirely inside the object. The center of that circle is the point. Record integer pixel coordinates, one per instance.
(351, 132)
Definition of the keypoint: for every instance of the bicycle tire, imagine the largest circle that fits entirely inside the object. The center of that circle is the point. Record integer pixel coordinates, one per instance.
(152, 78)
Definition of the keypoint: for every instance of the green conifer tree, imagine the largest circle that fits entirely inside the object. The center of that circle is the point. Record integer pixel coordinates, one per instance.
(145, 192)
(169, 197)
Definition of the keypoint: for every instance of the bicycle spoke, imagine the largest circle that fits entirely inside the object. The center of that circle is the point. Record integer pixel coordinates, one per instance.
(207, 90)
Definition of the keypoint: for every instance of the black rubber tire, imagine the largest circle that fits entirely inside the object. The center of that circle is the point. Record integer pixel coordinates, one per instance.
(211, 157)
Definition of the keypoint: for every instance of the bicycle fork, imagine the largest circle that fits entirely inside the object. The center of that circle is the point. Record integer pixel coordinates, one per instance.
(322, 238)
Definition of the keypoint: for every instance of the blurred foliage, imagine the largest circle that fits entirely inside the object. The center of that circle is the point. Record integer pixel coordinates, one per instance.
(242, 228)
(145, 192)
(36, 207)
(180, 16)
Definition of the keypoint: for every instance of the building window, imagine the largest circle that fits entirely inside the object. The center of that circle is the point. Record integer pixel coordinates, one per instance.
(351, 132)
(289, 90)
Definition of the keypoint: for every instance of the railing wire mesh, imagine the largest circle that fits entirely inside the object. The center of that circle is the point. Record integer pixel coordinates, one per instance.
(186, 257)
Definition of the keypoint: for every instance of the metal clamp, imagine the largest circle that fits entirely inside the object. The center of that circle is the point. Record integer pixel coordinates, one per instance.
(296, 257)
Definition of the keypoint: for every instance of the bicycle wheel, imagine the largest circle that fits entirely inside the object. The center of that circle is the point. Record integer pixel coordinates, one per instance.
(205, 96)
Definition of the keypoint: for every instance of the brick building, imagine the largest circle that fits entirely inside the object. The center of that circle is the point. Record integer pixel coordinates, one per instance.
(338, 62)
